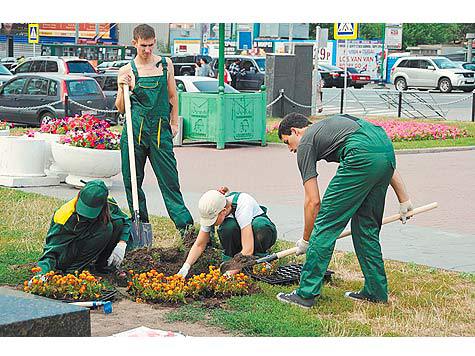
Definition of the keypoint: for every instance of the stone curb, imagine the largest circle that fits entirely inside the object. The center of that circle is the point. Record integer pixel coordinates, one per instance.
(416, 150)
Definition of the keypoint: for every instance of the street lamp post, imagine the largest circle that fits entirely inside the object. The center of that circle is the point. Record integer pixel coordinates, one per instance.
(383, 29)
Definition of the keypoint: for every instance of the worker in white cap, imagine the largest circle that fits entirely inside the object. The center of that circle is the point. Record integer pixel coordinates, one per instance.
(244, 226)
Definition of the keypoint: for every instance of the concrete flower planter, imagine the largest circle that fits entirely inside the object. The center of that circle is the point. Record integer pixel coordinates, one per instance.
(22, 156)
(5, 132)
(51, 167)
(86, 163)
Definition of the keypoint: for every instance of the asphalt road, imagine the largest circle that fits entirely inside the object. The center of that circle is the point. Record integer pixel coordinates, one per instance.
(371, 100)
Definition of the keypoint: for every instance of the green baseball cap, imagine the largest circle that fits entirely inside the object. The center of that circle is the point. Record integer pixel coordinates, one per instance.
(92, 198)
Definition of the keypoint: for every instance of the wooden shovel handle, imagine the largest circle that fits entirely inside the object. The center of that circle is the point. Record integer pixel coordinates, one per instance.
(396, 217)
(389, 219)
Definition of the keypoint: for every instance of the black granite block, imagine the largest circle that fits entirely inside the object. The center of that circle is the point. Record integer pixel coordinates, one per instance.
(24, 314)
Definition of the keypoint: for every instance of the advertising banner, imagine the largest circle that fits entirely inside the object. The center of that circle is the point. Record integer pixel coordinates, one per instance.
(87, 30)
(365, 56)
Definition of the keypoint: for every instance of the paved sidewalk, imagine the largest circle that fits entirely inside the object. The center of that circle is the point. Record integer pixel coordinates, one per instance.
(444, 237)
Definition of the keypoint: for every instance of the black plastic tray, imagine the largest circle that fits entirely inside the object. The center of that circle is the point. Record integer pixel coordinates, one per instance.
(284, 275)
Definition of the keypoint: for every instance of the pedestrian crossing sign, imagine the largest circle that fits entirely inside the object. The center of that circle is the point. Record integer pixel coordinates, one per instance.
(33, 33)
(345, 31)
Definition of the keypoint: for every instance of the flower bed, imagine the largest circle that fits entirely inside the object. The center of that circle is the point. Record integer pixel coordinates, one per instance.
(83, 123)
(99, 139)
(415, 131)
(4, 125)
(78, 286)
(155, 287)
(399, 131)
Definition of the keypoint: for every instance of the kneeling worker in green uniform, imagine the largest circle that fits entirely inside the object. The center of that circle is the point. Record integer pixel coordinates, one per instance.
(244, 226)
(356, 192)
(89, 229)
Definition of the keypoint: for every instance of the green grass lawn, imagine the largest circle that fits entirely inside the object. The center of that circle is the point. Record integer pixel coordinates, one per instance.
(423, 301)
(460, 142)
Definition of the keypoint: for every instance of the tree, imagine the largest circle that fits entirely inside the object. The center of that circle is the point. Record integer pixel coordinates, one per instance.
(414, 34)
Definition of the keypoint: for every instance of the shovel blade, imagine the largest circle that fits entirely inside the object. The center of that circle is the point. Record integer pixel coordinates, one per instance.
(142, 235)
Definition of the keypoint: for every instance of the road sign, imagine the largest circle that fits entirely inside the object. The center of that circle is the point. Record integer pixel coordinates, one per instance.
(33, 33)
(345, 31)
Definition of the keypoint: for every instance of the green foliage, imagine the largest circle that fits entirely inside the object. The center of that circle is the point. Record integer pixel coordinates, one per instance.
(414, 34)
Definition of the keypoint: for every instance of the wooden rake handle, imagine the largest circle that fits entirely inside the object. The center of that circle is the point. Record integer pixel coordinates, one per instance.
(386, 220)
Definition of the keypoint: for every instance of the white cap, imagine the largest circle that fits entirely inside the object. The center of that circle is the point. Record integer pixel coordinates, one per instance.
(209, 206)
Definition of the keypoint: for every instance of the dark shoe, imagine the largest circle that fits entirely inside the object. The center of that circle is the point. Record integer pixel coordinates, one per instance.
(361, 297)
(295, 299)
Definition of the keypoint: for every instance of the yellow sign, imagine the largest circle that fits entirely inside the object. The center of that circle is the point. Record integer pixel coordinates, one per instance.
(345, 31)
(33, 33)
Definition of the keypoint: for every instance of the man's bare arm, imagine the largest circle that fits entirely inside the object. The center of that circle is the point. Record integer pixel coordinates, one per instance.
(311, 206)
(399, 188)
(172, 95)
(125, 76)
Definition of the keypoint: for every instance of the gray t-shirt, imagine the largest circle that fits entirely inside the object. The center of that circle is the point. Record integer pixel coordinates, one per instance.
(322, 140)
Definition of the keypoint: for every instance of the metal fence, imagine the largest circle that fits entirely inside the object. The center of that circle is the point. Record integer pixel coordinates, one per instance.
(392, 103)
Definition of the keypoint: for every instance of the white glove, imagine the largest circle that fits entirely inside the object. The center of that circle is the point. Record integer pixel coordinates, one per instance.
(404, 208)
(184, 270)
(40, 277)
(117, 255)
(302, 246)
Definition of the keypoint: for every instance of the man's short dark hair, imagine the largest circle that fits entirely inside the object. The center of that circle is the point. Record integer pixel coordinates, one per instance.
(292, 120)
(144, 32)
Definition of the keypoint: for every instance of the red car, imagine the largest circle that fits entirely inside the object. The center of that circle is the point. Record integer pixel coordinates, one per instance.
(358, 80)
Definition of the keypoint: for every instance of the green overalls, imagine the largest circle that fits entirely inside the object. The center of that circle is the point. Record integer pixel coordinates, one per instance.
(229, 232)
(356, 192)
(153, 139)
(74, 242)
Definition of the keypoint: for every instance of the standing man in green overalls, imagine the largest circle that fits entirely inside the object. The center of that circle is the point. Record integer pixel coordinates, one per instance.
(356, 192)
(154, 105)
(244, 226)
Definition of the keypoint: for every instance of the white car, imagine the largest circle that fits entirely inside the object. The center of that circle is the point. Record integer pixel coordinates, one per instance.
(431, 73)
(196, 84)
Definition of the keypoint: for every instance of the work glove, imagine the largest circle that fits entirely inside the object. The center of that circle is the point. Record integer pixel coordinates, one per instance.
(117, 255)
(302, 246)
(40, 277)
(404, 208)
(184, 270)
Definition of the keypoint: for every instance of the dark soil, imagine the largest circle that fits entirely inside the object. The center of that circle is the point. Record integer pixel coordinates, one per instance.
(168, 261)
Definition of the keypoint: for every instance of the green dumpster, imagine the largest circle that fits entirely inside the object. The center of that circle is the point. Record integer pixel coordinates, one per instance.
(223, 118)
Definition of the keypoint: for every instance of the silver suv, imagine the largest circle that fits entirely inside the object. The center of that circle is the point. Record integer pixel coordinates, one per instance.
(55, 64)
(431, 73)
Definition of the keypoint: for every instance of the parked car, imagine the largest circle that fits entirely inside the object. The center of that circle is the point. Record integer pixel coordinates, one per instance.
(431, 73)
(55, 64)
(116, 65)
(104, 66)
(254, 66)
(42, 89)
(195, 84)
(8, 62)
(332, 76)
(5, 74)
(184, 64)
(468, 66)
(357, 79)
(108, 83)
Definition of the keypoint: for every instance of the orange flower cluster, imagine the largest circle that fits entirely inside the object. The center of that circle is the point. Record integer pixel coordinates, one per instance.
(265, 269)
(155, 287)
(77, 286)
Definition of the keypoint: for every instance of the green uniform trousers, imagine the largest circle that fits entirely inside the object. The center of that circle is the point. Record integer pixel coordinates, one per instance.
(356, 192)
(263, 229)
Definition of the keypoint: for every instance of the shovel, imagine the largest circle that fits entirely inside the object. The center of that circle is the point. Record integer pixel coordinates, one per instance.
(241, 261)
(141, 232)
